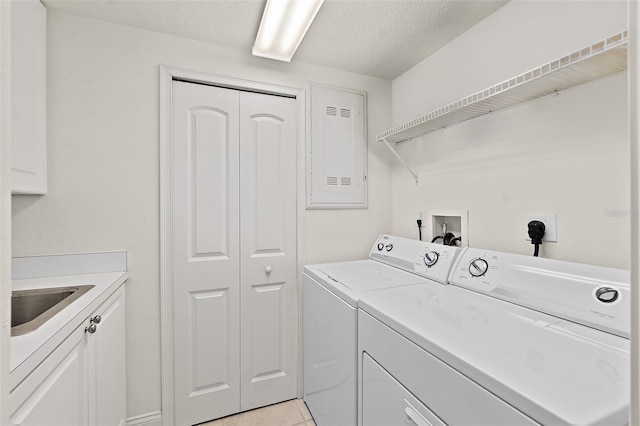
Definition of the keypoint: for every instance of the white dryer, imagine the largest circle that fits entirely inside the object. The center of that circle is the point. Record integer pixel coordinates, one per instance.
(516, 340)
(331, 295)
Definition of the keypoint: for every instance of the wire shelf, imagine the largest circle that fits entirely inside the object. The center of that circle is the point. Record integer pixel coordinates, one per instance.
(600, 59)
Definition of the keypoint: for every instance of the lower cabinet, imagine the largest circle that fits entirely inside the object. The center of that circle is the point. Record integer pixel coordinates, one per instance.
(83, 381)
(55, 393)
(106, 359)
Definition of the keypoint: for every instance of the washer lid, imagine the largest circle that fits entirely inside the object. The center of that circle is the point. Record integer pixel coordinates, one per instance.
(553, 370)
(367, 275)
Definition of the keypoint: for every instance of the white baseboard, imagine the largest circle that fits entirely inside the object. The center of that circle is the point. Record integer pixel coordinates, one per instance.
(153, 419)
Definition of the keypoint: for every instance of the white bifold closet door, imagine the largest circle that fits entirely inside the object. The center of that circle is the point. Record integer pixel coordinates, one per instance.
(234, 250)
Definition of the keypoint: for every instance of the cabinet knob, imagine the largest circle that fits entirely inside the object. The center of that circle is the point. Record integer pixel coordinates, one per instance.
(91, 329)
(96, 319)
(268, 269)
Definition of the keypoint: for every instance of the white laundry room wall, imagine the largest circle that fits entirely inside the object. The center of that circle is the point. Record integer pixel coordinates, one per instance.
(566, 155)
(103, 118)
(5, 211)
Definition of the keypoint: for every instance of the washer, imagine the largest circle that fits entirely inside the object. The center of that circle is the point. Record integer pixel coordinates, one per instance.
(331, 295)
(516, 340)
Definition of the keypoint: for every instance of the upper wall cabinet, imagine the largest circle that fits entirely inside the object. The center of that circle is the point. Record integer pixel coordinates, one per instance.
(28, 97)
(336, 148)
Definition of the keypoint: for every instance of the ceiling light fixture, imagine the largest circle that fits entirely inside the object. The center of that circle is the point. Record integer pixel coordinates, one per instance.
(283, 26)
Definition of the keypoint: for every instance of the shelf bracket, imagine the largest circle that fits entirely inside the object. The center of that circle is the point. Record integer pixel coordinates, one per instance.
(415, 176)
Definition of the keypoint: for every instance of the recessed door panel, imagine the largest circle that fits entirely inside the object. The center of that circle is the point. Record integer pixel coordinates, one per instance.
(268, 249)
(210, 341)
(269, 136)
(208, 184)
(266, 337)
(206, 263)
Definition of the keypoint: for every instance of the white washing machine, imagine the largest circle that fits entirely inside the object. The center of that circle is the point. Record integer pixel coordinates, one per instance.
(516, 340)
(331, 295)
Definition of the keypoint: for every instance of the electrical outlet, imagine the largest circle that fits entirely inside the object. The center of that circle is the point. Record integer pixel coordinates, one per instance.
(550, 227)
(420, 216)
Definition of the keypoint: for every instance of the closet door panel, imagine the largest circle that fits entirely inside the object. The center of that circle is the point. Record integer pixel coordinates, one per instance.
(269, 327)
(206, 264)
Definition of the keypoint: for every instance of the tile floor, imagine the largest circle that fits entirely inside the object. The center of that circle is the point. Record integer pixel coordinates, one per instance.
(289, 413)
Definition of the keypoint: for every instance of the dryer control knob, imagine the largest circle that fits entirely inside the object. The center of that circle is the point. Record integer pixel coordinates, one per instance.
(478, 267)
(380, 246)
(430, 258)
(389, 247)
(607, 294)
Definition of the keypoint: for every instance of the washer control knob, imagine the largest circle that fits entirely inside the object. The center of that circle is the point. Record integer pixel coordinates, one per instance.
(430, 258)
(607, 294)
(389, 247)
(478, 267)
(380, 246)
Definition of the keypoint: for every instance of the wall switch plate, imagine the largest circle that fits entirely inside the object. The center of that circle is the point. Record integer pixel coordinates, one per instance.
(550, 227)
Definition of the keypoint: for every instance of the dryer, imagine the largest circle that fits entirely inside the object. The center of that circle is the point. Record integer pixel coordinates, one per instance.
(331, 295)
(516, 340)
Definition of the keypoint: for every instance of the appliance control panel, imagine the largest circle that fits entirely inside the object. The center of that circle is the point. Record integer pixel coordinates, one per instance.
(595, 296)
(433, 261)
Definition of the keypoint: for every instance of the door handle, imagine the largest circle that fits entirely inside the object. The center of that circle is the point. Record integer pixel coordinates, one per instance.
(268, 270)
(414, 416)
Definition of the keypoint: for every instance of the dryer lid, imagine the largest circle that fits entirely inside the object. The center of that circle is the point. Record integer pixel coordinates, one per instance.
(555, 371)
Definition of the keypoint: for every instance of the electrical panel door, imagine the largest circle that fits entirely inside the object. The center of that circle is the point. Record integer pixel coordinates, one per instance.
(337, 149)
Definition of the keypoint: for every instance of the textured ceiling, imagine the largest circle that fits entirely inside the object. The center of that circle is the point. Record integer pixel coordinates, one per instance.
(381, 38)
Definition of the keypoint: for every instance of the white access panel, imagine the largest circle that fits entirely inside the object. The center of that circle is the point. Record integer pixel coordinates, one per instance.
(336, 149)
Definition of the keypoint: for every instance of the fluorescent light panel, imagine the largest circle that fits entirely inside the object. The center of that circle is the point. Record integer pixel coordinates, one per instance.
(283, 26)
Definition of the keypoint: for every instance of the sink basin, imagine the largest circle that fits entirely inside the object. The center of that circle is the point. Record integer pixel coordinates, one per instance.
(32, 308)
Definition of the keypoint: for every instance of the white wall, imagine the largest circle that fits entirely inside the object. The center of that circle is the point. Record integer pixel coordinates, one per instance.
(5, 206)
(103, 94)
(565, 154)
(634, 136)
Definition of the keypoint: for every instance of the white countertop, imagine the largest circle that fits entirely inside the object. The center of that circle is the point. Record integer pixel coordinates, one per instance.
(29, 350)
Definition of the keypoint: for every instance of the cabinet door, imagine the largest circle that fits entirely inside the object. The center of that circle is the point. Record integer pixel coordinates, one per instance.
(55, 393)
(107, 369)
(29, 97)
